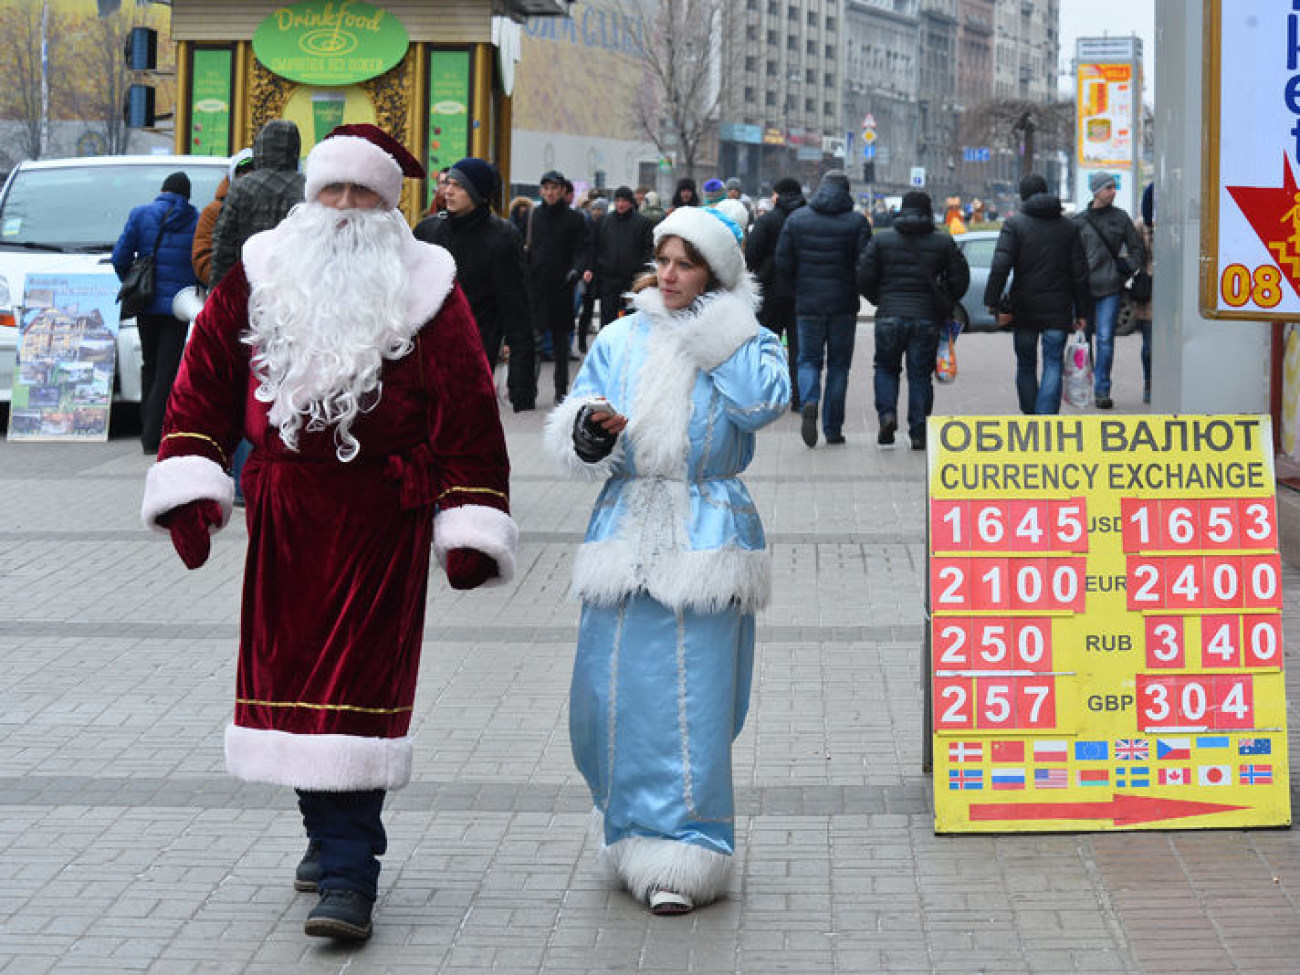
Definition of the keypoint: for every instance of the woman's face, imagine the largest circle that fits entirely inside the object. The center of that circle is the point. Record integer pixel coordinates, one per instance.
(681, 280)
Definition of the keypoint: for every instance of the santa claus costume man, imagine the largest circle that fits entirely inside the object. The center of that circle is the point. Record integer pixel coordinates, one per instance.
(343, 349)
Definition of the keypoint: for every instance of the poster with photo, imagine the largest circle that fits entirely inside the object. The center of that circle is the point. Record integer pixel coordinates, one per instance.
(67, 351)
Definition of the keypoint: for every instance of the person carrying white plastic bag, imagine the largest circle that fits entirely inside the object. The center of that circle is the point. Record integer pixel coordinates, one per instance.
(1078, 371)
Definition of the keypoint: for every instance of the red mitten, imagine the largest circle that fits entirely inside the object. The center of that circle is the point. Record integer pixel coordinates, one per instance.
(190, 525)
(468, 568)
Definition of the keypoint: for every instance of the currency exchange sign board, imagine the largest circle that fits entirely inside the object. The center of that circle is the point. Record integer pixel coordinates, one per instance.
(1106, 624)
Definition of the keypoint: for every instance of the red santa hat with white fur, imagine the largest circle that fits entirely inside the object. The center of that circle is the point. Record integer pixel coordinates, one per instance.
(363, 154)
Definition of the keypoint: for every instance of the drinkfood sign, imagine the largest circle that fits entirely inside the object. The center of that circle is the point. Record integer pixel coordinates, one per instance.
(1250, 237)
(330, 42)
(1106, 624)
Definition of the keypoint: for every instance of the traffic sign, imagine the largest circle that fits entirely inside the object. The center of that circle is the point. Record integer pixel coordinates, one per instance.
(918, 176)
(869, 122)
(869, 151)
(868, 136)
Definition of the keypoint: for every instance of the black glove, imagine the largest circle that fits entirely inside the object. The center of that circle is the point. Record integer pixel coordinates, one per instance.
(591, 441)
(571, 277)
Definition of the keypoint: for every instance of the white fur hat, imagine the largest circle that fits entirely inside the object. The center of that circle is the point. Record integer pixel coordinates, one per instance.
(711, 233)
(363, 154)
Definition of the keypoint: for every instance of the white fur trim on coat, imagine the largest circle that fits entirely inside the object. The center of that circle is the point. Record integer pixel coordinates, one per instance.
(642, 864)
(476, 526)
(352, 159)
(430, 269)
(176, 481)
(318, 763)
(558, 437)
(702, 580)
(726, 324)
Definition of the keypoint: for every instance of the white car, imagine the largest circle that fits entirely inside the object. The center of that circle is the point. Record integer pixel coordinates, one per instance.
(63, 216)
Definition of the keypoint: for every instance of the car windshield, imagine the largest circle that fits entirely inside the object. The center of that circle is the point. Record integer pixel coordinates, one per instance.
(85, 207)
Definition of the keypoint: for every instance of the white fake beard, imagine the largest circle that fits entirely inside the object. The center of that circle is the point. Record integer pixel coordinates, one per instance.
(332, 310)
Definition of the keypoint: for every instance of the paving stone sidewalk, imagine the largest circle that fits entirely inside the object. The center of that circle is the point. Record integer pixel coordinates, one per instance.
(124, 846)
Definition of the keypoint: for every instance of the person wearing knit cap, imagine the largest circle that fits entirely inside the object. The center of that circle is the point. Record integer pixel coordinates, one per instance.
(344, 350)
(164, 229)
(818, 250)
(624, 246)
(674, 566)
(1040, 251)
(684, 195)
(1115, 251)
(491, 269)
(900, 274)
(714, 190)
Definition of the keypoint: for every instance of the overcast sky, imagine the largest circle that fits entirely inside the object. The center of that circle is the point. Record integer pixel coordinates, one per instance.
(1099, 18)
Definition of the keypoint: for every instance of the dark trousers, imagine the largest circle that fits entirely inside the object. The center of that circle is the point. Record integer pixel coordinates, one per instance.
(351, 835)
(162, 343)
(611, 300)
(777, 315)
(586, 309)
(554, 317)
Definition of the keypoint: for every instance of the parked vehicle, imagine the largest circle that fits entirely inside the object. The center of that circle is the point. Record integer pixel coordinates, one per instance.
(977, 246)
(63, 216)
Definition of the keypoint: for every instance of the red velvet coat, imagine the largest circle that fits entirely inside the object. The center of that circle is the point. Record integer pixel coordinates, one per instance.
(338, 556)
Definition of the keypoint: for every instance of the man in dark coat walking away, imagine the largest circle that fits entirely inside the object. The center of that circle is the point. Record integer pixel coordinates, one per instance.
(819, 249)
(624, 247)
(1049, 291)
(559, 252)
(261, 199)
(490, 269)
(900, 274)
(777, 311)
(169, 220)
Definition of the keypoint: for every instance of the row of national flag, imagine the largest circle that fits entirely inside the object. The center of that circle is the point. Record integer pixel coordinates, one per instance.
(1121, 777)
(1118, 750)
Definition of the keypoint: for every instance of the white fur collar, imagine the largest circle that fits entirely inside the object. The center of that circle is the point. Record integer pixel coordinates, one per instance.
(429, 268)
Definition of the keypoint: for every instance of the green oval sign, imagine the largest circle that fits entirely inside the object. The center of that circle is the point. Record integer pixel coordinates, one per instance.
(330, 42)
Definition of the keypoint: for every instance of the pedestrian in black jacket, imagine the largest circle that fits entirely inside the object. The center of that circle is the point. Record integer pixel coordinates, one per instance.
(904, 272)
(624, 247)
(559, 253)
(777, 311)
(818, 250)
(490, 268)
(1043, 252)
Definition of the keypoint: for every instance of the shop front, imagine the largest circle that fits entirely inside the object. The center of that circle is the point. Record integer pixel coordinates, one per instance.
(436, 74)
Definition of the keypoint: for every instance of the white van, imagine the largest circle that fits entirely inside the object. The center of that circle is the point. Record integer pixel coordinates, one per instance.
(63, 216)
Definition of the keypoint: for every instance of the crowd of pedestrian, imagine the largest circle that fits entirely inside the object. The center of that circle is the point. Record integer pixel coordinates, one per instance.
(353, 358)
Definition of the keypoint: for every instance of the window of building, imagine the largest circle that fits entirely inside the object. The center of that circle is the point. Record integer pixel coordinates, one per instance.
(810, 105)
(812, 48)
(770, 99)
(751, 63)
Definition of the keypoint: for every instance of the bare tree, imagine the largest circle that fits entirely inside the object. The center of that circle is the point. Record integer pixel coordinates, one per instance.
(103, 78)
(1021, 125)
(685, 56)
(20, 70)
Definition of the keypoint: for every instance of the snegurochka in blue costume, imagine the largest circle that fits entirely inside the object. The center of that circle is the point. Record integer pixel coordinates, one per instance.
(674, 565)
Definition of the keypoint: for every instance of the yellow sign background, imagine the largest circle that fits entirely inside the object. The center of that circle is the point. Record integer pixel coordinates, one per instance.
(1021, 780)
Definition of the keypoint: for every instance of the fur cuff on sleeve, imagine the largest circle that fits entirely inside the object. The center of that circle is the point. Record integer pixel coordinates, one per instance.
(559, 443)
(723, 328)
(477, 526)
(176, 481)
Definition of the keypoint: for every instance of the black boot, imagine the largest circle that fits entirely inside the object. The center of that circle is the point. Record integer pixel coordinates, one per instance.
(307, 876)
(343, 914)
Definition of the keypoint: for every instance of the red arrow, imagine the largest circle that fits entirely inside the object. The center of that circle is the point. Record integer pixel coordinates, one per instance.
(1124, 808)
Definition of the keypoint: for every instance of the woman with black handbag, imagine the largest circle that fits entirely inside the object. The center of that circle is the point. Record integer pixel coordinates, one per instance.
(161, 233)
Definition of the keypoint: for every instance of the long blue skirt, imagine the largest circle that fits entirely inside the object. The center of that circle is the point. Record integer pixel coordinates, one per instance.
(657, 698)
